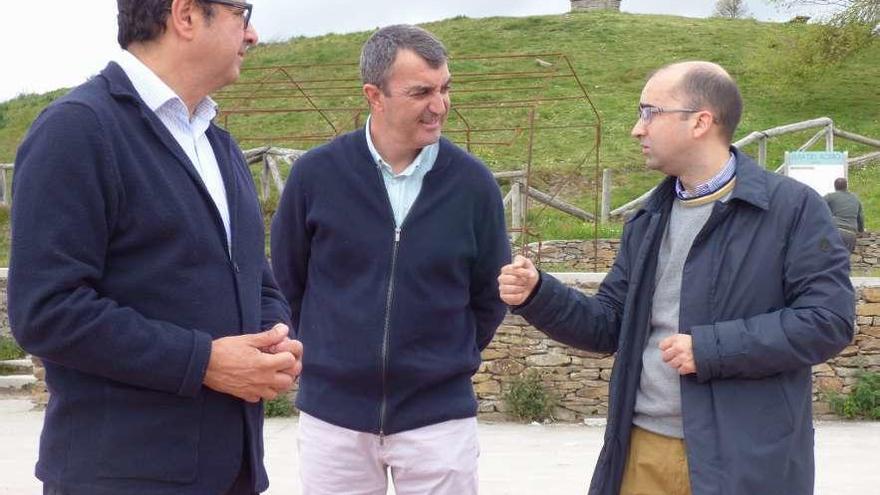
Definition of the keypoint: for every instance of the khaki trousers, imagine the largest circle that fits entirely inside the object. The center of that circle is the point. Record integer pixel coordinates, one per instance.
(655, 465)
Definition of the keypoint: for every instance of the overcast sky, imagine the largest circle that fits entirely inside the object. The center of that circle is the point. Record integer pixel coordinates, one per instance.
(50, 44)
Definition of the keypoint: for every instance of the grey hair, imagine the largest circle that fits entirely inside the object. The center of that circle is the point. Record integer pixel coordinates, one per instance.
(380, 51)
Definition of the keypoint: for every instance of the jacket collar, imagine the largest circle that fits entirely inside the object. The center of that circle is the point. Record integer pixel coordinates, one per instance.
(118, 83)
(751, 186)
(751, 181)
(120, 87)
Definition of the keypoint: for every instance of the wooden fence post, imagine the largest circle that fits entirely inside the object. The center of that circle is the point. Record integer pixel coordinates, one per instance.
(516, 208)
(829, 137)
(606, 195)
(762, 152)
(4, 188)
(264, 178)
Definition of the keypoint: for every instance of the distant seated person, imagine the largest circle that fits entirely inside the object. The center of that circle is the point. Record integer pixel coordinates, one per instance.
(847, 212)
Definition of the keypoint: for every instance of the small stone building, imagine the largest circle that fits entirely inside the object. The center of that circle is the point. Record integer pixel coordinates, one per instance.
(595, 5)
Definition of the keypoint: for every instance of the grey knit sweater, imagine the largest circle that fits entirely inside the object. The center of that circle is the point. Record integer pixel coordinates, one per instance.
(658, 400)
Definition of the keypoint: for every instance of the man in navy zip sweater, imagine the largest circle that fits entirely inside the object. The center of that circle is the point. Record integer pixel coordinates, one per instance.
(386, 244)
(138, 270)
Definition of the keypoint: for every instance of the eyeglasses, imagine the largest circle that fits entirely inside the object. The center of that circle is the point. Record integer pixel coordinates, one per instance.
(647, 112)
(244, 7)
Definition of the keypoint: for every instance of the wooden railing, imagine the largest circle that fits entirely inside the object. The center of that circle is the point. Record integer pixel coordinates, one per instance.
(514, 201)
(6, 183)
(827, 131)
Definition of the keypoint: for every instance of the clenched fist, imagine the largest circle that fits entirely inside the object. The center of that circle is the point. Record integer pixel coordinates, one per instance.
(517, 281)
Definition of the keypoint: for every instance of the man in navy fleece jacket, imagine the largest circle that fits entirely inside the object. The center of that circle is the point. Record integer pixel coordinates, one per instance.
(386, 244)
(138, 272)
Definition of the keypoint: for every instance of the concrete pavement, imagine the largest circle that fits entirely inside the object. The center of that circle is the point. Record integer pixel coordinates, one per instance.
(515, 460)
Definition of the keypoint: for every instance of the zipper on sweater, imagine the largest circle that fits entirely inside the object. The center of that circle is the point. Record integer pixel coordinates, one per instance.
(389, 296)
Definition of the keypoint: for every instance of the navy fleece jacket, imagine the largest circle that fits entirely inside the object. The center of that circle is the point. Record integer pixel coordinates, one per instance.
(393, 322)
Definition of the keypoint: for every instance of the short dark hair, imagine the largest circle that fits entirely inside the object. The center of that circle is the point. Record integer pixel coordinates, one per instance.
(144, 20)
(380, 50)
(840, 184)
(704, 87)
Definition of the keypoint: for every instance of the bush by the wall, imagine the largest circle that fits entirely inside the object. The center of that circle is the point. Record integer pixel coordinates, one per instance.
(279, 407)
(863, 402)
(529, 400)
(9, 349)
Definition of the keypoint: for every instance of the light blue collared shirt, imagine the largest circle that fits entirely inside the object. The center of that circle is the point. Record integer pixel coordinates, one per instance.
(188, 132)
(711, 185)
(403, 188)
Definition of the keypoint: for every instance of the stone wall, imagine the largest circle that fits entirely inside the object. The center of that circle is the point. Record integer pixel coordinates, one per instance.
(4, 315)
(595, 5)
(584, 256)
(580, 255)
(866, 257)
(580, 379)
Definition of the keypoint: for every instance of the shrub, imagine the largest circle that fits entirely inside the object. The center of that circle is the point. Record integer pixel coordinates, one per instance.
(863, 402)
(279, 407)
(9, 349)
(528, 399)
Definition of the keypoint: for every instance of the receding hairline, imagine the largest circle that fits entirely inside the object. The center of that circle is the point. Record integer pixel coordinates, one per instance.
(682, 69)
(701, 85)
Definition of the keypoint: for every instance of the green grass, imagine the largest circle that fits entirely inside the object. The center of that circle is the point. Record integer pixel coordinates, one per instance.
(612, 54)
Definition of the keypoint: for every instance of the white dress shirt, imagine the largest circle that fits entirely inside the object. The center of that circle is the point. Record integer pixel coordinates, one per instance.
(188, 132)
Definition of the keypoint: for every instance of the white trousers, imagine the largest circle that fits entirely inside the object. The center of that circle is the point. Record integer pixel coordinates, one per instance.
(439, 459)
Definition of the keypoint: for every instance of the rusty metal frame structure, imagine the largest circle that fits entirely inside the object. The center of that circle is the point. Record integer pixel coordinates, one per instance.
(485, 89)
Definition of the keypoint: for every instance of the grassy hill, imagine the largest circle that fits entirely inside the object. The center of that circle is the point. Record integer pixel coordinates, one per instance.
(612, 54)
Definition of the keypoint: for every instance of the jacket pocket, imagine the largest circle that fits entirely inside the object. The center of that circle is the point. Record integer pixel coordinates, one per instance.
(149, 435)
(757, 409)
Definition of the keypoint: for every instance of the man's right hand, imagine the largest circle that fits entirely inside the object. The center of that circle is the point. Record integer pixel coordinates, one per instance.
(517, 281)
(238, 367)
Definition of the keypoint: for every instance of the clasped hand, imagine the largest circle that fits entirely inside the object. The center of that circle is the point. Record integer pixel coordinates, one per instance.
(255, 366)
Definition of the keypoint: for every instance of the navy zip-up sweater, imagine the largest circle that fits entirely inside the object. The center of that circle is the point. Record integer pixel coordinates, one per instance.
(393, 322)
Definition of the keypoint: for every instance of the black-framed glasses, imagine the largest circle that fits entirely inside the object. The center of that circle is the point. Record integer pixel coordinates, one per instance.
(647, 112)
(244, 7)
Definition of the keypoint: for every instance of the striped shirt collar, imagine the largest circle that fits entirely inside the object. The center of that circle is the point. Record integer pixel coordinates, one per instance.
(711, 185)
(156, 94)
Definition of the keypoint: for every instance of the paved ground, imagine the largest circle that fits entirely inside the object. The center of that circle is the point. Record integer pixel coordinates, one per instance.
(515, 460)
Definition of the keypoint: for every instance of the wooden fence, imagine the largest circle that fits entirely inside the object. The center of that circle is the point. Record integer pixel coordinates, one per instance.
(827, 131)
(516, 199)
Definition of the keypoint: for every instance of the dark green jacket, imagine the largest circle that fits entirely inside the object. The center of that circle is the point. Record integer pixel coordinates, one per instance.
(846, 210)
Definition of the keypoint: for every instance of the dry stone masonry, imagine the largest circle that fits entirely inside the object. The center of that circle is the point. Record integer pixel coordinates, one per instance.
(579, 255)
(866, 258)
(595, 5)
(579, 379)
